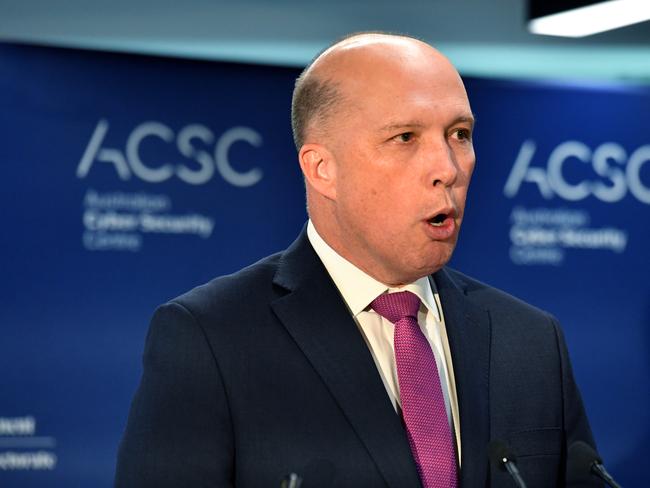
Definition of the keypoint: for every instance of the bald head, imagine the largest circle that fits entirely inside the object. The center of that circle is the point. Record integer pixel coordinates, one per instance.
(320, 90)
(383, 128)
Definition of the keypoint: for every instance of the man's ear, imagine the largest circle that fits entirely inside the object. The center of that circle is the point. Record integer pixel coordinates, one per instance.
(319, 167)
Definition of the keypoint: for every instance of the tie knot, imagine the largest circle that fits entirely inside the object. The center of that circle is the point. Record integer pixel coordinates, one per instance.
(396, 306)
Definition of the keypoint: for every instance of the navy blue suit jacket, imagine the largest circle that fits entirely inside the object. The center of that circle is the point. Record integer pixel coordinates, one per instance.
(264, 372)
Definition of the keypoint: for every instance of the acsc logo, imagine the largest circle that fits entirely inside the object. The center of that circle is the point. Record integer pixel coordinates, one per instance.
(130, 163)
(614, 172)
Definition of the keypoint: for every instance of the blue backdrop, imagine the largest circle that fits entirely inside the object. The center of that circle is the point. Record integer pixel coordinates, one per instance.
(128, 179)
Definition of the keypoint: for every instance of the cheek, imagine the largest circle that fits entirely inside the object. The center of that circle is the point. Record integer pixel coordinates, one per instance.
(372, 196)
(357, 202)
(362, 189)
(462, 183)
(460, 198)
(467, 165)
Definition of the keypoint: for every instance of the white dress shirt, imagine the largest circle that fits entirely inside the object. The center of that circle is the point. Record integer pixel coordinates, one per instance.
(358, 290)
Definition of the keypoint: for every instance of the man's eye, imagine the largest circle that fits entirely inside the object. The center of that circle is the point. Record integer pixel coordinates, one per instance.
(463, 134)
(404, 137)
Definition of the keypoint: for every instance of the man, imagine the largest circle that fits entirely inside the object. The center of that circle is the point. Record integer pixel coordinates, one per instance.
(355, 357)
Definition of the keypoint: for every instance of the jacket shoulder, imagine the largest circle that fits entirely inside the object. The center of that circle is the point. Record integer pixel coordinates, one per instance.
(496, 300)
(249, 285)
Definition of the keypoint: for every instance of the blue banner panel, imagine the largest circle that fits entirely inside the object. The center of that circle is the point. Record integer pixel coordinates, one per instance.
(559, 215)
(130, 179)
(127, 180)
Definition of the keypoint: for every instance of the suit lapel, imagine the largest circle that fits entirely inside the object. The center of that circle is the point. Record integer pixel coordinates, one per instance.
(315, 315)
(468, 329)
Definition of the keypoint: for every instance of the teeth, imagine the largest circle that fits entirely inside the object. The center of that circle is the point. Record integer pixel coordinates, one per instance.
(438, 220)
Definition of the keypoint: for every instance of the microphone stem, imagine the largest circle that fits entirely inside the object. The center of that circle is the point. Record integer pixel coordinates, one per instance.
(599, 470)
(514, 472)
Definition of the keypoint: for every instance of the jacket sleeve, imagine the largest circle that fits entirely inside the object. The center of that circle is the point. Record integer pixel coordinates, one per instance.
(179, 431)
(576, 424)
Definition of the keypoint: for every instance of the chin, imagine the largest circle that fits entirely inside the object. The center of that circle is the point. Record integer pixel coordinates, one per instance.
(434, 265)
(418, 272)
(418, 266)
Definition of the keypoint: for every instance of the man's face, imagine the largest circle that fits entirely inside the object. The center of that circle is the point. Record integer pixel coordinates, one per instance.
(404, 157)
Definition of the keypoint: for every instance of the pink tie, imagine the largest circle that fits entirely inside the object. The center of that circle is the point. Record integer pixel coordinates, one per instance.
(423, 405)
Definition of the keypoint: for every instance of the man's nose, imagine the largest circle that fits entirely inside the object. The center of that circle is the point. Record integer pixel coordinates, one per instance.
(443, 165)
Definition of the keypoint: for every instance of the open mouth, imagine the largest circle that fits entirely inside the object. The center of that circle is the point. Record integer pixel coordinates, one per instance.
(438, 220)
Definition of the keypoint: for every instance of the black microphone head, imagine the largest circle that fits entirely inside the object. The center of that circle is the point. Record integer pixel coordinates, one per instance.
(581, 457)
(499, 452)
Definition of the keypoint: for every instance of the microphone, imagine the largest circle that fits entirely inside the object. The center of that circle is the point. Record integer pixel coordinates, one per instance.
(583, 460)
(292, 480)
(501, 457)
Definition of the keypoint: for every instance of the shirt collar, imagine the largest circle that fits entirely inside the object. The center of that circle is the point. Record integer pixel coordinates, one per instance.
(357, 287)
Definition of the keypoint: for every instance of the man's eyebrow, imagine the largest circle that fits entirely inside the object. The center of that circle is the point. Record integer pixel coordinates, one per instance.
(402, 125)
(469, 118)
